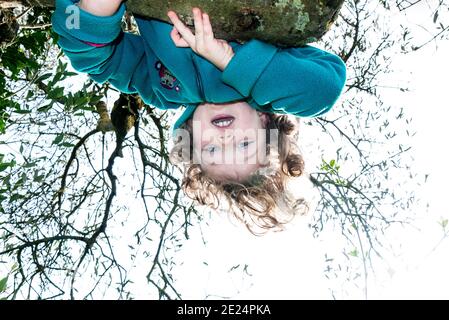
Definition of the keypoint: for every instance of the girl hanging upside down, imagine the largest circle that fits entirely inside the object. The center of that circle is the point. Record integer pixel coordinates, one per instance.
(235, 139)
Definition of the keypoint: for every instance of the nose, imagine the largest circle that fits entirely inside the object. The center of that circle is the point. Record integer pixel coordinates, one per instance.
(225, 138)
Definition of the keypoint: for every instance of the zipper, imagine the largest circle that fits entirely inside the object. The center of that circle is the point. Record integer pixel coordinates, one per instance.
(199, 81)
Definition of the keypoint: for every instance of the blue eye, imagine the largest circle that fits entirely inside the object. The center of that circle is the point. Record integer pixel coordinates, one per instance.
(245, 144)
(210, 149)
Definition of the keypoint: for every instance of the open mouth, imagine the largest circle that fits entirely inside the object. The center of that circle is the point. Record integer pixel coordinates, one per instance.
(223, 121)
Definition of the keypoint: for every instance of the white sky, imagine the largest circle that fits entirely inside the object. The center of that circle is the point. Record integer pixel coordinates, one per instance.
(420, 272)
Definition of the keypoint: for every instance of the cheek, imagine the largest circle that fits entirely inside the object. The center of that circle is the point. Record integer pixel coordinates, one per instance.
(200, 114)
(196, 139)
(262, 148)
(250, 121)
(196, 142)
(199, 130)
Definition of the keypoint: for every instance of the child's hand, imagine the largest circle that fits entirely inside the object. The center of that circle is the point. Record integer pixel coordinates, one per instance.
(100, 7)
(217, 51)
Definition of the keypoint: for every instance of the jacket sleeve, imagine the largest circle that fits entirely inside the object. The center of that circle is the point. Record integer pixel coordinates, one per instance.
(303, 81)
(97, 46)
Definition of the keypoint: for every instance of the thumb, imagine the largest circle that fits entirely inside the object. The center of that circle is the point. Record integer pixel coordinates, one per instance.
(177, 38)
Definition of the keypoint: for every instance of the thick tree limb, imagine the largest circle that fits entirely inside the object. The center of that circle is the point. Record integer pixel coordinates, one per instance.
(282, 22)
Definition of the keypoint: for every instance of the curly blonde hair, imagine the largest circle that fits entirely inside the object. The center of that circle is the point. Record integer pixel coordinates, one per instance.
(262, 202)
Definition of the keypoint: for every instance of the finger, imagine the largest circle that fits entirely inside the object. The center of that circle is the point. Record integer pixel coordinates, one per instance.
(177, 39)
(199, 29)
(223, 42)
(208, 32)
(185, 32)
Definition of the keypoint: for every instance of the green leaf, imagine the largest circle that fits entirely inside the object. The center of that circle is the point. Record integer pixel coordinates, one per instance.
(29, 165)
(6, 165)
(37, 177)
(45, 108)
(56, 93)
(95, 99)
(3, 284)
(81, 101)
(57, 77)
(21, 111)
(16, 197)
(67, 145)
(332, 163)
(70, 74)
(20, 182)
(44, 77)
(58, 139)
(435, 17)
(2, 125)
(354, 253)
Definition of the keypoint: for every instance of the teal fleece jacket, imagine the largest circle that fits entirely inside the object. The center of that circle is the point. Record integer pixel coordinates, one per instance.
(303, 81)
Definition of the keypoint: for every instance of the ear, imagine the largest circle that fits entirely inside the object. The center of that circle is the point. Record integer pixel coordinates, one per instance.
(263, 118)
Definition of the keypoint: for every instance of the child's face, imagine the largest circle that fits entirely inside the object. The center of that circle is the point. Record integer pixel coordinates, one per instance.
(229, 140)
